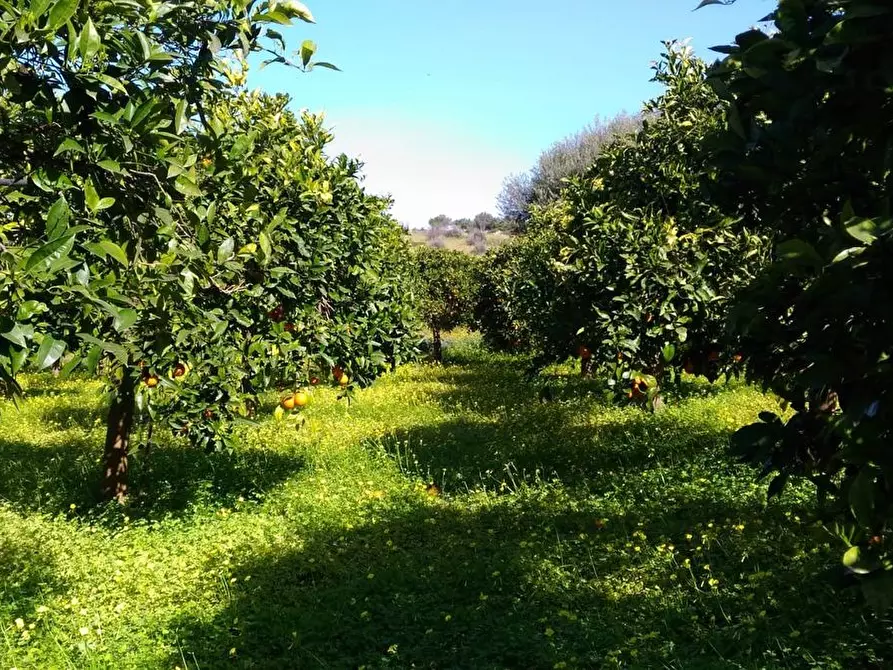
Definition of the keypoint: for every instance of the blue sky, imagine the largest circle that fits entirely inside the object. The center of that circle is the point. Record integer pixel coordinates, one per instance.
(443, 99)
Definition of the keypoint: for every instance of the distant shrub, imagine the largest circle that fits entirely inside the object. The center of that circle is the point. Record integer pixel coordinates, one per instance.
(445, 281)
(567, 158)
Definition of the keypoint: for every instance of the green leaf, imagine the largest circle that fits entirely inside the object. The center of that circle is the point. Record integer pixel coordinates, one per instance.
(328, 66)
(69, 145)
(308, 48)
(225, 250)
(29, 308)
(294, 9)
(114, 251)
(277, 36)
(116, 350)
(111, 166)
(851, 557)
(57, 218)
(38, 7)
(111, 82)
(180, 116)
(18, 358)
(92, 359)
(50, 351)
(125, 319)
(19, 335)
(669, 351)
(57, 246)
(69, 367)
(61, 12)
(264, 242)
(863, 231)
(186, 186)
(89, 41)
(145, 46)
(91, 197)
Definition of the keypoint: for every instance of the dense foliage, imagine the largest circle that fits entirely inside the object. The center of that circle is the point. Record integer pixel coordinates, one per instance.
(644, 264)
(446, 289)
(807, 155)
(193, 245)
(517, 292)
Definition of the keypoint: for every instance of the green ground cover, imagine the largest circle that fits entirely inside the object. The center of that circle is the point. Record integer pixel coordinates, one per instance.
(560, 534)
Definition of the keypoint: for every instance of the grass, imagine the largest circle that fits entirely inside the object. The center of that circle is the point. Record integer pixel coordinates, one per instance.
(569, 534)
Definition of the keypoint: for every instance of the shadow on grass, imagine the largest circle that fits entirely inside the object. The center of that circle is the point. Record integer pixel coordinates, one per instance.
(170, 480)
(27, 572)
(490, 380)
(550, 441)
(523, 585)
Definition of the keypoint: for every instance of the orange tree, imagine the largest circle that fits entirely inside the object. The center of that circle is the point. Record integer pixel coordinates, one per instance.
(806, 154)
(645, 263)
(445, 283)
(517, 295)
(149, 234)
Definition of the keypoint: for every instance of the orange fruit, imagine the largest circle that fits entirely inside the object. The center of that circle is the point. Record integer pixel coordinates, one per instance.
(288, 402)
(301, 399)
(737, 358)
(344, 380)
(314, 381)
(337, 371)
(585, 352)
(179, 370)
(151, 381)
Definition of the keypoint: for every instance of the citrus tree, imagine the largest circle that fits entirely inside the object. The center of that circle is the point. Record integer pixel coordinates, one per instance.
(137, 241)
(644, 262)
(806, 154)
(517, 294)
(445, 285)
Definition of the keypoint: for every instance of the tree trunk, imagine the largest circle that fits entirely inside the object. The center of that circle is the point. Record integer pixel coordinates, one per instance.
(117, 440)
(586, 366)
(436, 345)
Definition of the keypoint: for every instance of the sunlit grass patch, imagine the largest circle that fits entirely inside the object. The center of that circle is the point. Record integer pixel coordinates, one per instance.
(446, 518)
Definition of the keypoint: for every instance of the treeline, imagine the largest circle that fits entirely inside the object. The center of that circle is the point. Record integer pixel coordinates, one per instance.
(744, 228)
(474, 230)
